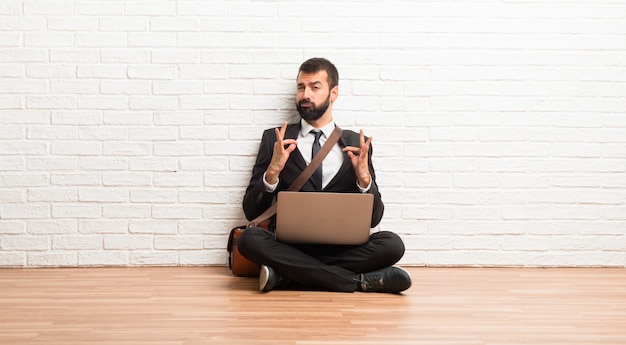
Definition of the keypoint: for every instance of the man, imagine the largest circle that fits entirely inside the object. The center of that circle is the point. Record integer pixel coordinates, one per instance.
(283, 154)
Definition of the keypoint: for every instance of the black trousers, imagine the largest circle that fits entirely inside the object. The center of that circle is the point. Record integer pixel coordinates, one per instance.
(331, 267)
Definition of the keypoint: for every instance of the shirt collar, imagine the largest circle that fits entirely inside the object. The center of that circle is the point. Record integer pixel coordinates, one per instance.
(306, 128)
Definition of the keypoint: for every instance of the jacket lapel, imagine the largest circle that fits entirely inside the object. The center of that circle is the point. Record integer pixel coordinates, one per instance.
(292, 133)
(345, 166)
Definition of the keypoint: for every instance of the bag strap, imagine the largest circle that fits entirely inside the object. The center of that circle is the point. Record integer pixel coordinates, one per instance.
(304, 176)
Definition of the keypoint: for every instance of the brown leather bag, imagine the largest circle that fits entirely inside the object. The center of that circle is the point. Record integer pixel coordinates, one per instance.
(238, 264)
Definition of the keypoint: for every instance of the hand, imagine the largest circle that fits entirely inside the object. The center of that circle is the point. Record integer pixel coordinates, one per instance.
(282, 149)
(359, 159)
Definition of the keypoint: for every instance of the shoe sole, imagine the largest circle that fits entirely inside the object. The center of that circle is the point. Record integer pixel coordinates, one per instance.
(263, 278)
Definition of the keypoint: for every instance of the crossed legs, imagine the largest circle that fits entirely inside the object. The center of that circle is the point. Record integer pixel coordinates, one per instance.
(331, 267)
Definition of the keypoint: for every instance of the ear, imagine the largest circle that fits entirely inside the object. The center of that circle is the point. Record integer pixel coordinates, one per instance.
(334, 93)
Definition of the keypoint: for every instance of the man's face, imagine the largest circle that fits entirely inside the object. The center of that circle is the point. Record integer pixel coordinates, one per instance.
(313, 96)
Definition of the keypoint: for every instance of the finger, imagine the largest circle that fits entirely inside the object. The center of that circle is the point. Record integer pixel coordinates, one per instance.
(290, 148)
(283, 129)
(351, 149)
(368, 142)
(279, 138)
(289, 144)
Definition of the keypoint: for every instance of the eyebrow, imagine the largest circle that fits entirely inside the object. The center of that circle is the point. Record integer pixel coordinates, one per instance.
(313, 82)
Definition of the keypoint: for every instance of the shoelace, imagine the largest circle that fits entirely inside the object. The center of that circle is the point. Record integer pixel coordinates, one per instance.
(369, 282)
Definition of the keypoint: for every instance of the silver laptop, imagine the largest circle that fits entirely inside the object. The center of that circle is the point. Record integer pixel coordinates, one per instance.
(324, 218)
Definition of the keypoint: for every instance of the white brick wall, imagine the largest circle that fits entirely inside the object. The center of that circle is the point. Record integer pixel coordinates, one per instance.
(128, 128)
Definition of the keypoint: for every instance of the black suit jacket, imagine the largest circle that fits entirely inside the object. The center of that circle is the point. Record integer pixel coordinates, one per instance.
(257, 200)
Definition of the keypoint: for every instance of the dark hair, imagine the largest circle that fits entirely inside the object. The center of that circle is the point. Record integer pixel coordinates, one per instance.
(315, 65)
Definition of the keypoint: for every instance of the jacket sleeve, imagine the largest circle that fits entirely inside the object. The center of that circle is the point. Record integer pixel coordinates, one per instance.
(378, 208)
(351, 138)
(256, 199)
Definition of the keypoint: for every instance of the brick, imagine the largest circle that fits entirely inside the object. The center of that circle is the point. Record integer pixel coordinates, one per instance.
(74, 86)
(126, 55)
(22, 86)
(176, 24)
(27, 243)
(152, 39)
(48, 40)
(126, 211)
(51, 259)
(204, 197)
(75, 179)
(90, 8)
(13, 196)
(125, 24)
(177, 87)
(12, 133)
(177, 56)
(107, 226)
(101, 39)
(137, 118)
(126, 179)
(103, 195)
(152, 258)
(153, 102)
(202, 8)
(9, 39)
(178, 179)
(76, 211)
(72, 23)
(76, 242)
(69, 55)
(154, 164)
(152, 72)
(125, 87)
(127, 242)
(150, 8)
(153, 227)
(125, 149)
(72, 148)
(54, 194)
(203, 102)
(12, 227)
(48, 227)
(48, 8)
(103, 163)
(105, 133)
(178, 242)
(12, 259)
(101, 258)
(162, 196)
(177, 212)
(178, 149)
(23, 180)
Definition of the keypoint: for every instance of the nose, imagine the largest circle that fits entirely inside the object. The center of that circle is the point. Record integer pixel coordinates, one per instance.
(307, 93)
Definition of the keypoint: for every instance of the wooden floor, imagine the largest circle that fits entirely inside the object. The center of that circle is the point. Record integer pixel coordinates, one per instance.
(206, 305)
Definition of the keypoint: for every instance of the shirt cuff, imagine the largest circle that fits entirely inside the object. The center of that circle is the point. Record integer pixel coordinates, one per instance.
(364, 190)
(270, 188)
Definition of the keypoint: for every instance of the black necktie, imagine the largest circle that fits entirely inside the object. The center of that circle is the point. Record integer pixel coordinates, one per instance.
(317, 175)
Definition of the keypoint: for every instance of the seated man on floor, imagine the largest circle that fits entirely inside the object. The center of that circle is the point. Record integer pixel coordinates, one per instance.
(284, 152)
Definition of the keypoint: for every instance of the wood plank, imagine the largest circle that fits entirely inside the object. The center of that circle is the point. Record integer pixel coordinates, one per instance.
(206, 305)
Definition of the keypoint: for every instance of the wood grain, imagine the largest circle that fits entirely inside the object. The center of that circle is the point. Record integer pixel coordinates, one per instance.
(206, 305)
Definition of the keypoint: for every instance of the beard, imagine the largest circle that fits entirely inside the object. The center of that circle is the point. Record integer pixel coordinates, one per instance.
(313, 112)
